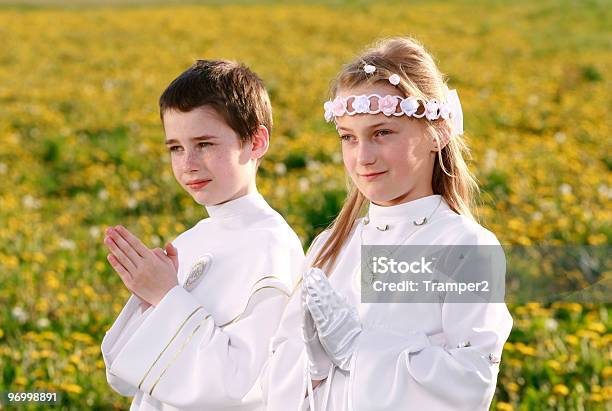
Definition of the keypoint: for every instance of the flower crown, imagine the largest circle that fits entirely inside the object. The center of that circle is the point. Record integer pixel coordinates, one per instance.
(397, 106)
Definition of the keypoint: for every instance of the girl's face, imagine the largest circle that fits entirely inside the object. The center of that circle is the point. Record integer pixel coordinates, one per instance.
(207, 158)
(390, 159)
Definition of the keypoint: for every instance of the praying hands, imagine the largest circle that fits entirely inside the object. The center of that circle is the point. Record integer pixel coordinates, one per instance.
(147, 273)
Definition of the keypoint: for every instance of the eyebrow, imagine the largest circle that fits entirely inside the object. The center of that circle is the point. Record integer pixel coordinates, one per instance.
(382, 123)
(198, 138)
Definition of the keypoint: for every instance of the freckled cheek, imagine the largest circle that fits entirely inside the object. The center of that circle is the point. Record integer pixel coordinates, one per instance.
(348, 158)
(177, 168)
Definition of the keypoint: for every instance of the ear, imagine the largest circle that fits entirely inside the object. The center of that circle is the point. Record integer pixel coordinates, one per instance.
(260, 141)
(444, 137)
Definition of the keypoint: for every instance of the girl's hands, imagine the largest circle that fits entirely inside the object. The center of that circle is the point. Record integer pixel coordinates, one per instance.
(318, 361)
(336, 320)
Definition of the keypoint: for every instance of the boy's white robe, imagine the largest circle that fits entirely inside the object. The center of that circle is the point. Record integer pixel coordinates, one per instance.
(205, 349)
(410, 356)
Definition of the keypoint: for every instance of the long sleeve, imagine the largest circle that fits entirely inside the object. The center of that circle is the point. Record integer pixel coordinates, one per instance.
(130, 318)
(284, 377)
(419, 369)
(181, 357)
(453, 369)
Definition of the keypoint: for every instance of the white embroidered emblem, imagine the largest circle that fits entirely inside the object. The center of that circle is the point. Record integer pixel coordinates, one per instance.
(197, 271)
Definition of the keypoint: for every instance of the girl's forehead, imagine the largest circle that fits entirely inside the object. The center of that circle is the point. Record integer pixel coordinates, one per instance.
(381, 89)
(362, 121)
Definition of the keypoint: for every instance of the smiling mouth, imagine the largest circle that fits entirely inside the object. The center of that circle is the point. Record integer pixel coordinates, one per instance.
(371, 176)
(197, 184)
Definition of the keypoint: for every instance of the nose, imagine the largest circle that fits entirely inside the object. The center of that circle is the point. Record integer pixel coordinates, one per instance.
(191, 162)
(366, 154)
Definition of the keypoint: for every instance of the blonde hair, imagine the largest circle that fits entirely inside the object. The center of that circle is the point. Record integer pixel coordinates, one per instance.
(421, 78)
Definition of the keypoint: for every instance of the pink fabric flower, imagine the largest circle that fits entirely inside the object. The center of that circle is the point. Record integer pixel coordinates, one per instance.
(334, 108)
(431, 110)
(387, 105)
(338, 106)
(394, 79)
(329, 115)
(409, 106)
(369, 69)
(444, 111)
(361, 104)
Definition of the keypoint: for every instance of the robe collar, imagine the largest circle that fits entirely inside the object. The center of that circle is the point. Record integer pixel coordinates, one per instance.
(411, 210)
(247, 204)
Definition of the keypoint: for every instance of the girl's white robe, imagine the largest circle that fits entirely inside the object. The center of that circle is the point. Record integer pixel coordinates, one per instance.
(410, 356)
(205, 349)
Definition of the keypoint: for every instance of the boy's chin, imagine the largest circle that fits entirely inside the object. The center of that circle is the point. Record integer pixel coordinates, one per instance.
(203, 199)
(206, 199)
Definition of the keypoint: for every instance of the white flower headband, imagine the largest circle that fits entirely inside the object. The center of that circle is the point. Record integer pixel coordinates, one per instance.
(397, 105)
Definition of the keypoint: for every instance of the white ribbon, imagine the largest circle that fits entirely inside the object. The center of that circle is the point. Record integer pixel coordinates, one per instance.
(457, 112)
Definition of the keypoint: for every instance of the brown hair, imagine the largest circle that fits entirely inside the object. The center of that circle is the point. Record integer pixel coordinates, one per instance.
(420, 78)
(230, 88)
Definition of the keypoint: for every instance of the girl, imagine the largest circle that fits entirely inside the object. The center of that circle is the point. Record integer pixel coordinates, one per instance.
(400, 129)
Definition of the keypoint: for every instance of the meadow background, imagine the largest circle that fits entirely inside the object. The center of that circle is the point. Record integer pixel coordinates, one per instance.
(81, 148)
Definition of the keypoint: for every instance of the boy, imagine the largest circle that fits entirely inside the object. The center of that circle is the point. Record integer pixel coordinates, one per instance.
(195, 332)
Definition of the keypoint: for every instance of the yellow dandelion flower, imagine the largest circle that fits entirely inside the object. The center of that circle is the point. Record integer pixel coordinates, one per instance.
(39, 257)
(38, 373)
(75, 359)
(81, 337)
(71, 388)
(89, 292)
(47, 336)
(99, 266)
(596, 397)
(574, 307)
(504, 406)
(513, 387)
(46, 354)
(554, 364)
(53, 282)
(597, 239)
(597, 327)
(93, 350)
(560, 389)
(572, 339)
(525, 349)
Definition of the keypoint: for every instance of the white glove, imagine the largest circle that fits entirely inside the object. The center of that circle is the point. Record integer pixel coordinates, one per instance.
(318, 361)
(336, 320)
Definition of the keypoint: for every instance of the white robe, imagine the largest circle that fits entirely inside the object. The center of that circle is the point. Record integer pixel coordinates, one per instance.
(409, 356)
(205, 349)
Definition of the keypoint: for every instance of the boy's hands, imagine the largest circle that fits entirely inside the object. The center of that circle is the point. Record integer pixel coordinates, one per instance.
(149, 274)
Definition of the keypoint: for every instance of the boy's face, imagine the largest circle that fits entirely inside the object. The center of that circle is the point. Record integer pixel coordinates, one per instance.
(207, 159)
